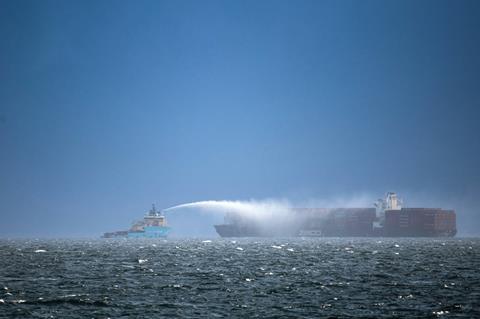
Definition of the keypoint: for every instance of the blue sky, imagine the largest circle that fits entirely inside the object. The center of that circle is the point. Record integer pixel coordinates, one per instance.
(108, 106)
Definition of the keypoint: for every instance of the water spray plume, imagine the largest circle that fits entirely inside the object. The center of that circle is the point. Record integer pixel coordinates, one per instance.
(269, 216)
(250, 209)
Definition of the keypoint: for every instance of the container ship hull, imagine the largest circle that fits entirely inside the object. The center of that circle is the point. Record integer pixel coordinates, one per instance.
(387, 219)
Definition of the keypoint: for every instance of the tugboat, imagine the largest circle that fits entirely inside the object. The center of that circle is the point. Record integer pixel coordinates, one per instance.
(153, 225)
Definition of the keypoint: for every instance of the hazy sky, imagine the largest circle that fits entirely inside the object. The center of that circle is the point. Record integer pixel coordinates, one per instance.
(108, 106)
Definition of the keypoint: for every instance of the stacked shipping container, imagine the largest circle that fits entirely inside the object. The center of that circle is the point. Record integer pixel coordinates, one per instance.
(420, 222)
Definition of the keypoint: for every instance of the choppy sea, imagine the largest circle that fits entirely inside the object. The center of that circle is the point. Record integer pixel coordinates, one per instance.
(242, 278)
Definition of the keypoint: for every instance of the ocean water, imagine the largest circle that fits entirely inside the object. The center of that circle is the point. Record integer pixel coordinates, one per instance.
(264, 278)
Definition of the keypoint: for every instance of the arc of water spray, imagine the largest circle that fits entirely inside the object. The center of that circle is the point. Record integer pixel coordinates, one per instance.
(252, 209)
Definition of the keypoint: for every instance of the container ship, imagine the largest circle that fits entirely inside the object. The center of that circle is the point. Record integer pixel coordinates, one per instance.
(153, 225)
(386, 219)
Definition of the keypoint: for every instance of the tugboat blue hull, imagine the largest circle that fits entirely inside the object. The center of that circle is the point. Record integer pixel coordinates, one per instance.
(150, 232)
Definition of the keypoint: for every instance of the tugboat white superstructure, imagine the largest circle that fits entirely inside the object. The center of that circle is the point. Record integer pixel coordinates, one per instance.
(153, 225)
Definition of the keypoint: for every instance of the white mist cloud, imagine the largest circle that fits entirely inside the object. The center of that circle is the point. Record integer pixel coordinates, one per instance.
(352, 201)
(272, 217)
(253, 209)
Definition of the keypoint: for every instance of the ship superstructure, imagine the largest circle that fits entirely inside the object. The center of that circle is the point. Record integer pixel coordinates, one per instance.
(390, 202)
(153, 225)
(387, 218)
